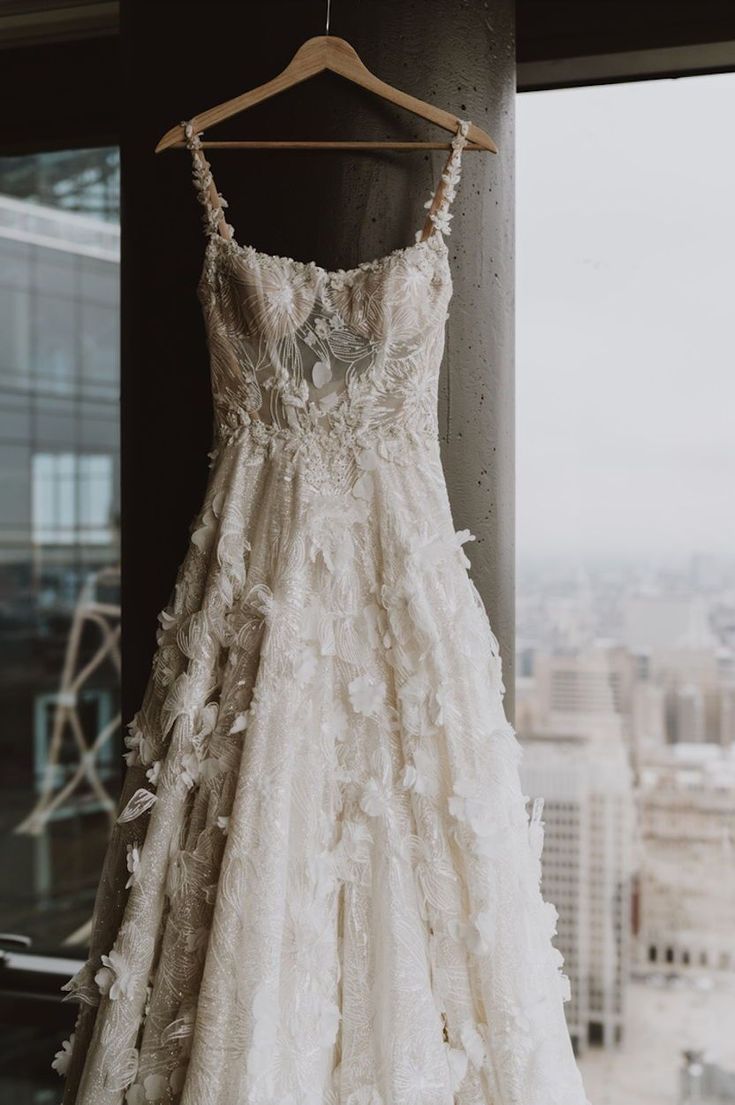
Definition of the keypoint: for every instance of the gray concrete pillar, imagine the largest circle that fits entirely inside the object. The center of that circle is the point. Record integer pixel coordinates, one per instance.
(462, 57)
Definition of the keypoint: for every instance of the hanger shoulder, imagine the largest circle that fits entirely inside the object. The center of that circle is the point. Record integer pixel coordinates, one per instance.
(308, 60)
(342, 59)
(214, 115)
(327, 52)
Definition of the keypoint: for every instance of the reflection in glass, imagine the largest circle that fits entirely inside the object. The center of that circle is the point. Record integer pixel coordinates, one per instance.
(59, 539)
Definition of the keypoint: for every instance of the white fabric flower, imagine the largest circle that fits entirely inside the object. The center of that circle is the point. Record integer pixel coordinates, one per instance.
(366, 695)
(565, 986)
(153, 774)
(240, 723)
(155, 1087)
(115, 977)
(473, 1044)
(413, 696)
(441, 220)
(471, 805)
(62, 1059)
(133, 863)
(442, 698)
(190, 769)
(551, 916)
(167, 619)
(377, 791)
(477, 934)
(321, 373)
(421, 776)
(206, 720)
(375, 797)
(141, 748)
(306, 664)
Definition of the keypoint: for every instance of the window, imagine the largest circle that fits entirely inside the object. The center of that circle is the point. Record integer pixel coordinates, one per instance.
(72, 499)
(59, 539)
(626, 559)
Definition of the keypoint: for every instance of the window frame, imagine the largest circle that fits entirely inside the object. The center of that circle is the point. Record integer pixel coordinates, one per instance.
(54, 57)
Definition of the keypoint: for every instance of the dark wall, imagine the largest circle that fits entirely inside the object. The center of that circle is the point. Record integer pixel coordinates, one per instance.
(60, 96)
(549, 29)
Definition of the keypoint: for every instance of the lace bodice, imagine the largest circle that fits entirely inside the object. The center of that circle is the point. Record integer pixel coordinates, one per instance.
(307, 353)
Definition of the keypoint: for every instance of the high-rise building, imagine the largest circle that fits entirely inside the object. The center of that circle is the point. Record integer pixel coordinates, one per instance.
(687, 887)
(587, 865)
(687, 713)
(648, 719)
(727, 717)
(587, 693)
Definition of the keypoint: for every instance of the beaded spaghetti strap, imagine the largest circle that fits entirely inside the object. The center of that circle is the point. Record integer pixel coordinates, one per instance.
(439, 214)
(439, 202)
(213, 201)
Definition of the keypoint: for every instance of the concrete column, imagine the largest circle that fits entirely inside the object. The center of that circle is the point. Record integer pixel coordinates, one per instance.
(335, 208)
(462, 57)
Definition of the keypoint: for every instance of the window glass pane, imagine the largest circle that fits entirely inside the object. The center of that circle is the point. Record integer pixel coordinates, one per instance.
(626, 569)
(59, 540)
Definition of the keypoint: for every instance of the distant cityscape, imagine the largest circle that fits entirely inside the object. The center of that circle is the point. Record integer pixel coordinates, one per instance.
(625, 706)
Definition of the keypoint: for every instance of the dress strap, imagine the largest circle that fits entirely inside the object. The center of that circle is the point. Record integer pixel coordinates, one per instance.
(440, 200)
(213, 202)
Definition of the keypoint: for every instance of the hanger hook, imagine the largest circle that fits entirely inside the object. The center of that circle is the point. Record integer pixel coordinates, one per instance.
(329, 5)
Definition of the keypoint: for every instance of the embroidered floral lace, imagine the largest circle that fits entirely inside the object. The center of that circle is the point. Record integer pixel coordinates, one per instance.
(323, 887)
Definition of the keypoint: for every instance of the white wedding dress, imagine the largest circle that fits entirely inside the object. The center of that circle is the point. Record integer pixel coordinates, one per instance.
(323, 887)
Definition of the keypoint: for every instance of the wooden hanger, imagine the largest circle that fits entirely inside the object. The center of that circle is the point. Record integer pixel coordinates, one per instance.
(336, 55)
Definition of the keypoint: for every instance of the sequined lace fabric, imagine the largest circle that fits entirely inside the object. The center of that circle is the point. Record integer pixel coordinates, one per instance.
(323, 885)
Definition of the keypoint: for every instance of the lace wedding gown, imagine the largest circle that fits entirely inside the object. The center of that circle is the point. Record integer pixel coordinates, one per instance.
(323, 887)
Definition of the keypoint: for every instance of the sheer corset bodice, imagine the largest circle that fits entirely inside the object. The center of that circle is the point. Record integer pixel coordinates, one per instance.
(299, 351)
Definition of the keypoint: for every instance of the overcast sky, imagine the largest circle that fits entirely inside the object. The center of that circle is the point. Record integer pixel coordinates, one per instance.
(626, 318)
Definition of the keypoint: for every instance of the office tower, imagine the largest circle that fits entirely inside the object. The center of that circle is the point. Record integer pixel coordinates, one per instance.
(587, 860)
(687, 888)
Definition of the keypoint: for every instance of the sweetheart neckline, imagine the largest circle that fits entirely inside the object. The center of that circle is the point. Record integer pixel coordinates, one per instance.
(435, 243)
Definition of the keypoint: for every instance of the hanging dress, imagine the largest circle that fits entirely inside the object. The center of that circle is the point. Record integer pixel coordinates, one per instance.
(323, 886)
